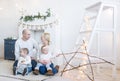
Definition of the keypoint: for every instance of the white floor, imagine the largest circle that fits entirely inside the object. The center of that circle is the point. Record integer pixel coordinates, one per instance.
(6, 74)
(104, 74)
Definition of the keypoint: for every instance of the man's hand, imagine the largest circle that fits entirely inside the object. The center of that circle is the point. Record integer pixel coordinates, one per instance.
(22, 61)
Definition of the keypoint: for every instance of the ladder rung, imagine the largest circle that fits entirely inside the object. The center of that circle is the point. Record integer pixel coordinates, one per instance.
(94, 7)
(87, 31)
(93, 17)
(105, 30)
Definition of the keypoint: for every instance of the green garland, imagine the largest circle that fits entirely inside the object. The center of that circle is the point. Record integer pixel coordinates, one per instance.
(39, 16)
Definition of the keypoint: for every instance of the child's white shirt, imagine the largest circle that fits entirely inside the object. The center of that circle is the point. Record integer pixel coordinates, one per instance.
(27, 61)
(21, 66)
(46, 56)
(51, 51)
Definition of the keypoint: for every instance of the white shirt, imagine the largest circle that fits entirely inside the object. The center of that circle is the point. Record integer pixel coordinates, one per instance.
(30, 44)
(45, 56)
(21, 66)
(27, 60)
(51, 50)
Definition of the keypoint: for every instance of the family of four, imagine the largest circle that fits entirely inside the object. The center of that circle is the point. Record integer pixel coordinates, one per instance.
(29, 56)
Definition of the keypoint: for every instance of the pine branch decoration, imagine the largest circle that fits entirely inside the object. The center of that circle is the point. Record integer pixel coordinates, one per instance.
(38, 16)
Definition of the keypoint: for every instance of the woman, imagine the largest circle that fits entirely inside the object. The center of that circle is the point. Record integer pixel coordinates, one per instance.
(45, 38)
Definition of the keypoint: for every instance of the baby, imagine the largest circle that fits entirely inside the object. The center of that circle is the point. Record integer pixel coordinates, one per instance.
(24, 63)
(45, 59)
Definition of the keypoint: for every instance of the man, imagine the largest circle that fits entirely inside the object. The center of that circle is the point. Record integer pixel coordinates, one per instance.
(26, 42)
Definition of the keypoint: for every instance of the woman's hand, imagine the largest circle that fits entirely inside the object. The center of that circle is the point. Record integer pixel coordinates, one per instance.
(44, 61)
(32, 58)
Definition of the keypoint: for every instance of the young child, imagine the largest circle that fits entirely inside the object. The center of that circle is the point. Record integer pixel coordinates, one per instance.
(24, 63)
(45, 59)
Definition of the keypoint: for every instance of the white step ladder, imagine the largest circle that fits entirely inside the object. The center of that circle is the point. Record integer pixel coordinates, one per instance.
(90, 27)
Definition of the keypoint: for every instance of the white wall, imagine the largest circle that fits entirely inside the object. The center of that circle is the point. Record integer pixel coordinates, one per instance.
(118, 35)
(8, 22)
(70, 13)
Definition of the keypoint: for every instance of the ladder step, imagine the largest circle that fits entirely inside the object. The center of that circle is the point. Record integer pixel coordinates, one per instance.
(94, 7)
(97, 29)
(105, 29)
(93, 17)
(87, 31)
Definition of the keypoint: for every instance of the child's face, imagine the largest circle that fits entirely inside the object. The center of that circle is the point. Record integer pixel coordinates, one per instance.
(23, 53)
(45, 50)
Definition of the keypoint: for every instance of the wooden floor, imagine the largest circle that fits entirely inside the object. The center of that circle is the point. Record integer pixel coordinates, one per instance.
(104, 74)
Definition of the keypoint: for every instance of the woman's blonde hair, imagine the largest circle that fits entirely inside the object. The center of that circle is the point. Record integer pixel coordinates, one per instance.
(47, 37)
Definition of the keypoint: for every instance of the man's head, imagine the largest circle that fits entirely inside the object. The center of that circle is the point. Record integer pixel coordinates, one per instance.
(26, 34)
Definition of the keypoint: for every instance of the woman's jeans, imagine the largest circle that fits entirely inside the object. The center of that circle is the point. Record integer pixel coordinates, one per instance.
(43, 69)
